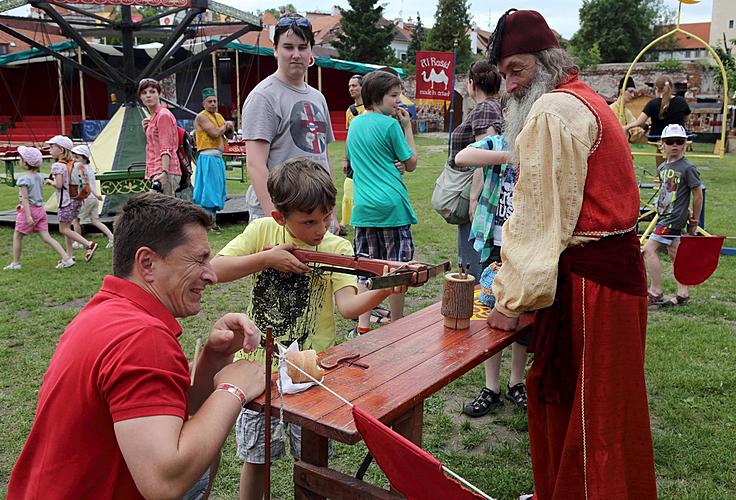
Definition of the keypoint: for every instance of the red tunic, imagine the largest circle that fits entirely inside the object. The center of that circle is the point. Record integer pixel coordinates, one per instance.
(593, 441)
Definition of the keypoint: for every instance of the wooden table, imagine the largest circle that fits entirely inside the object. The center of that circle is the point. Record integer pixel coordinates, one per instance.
(409, 360)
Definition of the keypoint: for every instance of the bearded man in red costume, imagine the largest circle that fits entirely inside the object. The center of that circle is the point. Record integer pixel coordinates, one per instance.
(570, 253)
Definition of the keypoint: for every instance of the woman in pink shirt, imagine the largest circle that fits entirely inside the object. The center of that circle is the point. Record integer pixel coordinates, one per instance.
(162, 140)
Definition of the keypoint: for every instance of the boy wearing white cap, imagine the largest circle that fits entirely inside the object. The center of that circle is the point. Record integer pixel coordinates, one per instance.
(31, 217)
(679, 182)
(91, 205)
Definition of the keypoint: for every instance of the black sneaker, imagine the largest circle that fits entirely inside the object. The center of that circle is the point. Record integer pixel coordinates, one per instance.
(483, 403)
(517, 395)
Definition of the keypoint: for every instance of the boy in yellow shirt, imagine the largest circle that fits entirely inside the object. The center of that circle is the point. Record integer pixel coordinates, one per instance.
(293, 298)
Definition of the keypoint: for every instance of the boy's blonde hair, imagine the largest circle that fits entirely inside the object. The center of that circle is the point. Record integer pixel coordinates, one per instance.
(301, 185)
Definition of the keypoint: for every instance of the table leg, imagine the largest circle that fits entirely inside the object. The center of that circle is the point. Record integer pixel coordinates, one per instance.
(314, 451)
(411, 423)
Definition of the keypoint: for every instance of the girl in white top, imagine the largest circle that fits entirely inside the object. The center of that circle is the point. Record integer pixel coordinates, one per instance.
(91, 205)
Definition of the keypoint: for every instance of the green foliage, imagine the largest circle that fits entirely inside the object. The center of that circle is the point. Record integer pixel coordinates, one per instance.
(289, 7)
(621, 27)
(418, 38)
(669, 64)
(452, 19)
(587, 57)
(729, 64)
(364, 38)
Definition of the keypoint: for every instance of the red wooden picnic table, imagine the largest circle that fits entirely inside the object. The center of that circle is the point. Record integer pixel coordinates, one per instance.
(408, 360)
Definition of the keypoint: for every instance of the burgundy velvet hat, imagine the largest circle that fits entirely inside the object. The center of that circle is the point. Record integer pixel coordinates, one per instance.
(521, 32)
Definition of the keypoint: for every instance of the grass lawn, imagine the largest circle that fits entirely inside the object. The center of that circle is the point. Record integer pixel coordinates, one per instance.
(690, 364)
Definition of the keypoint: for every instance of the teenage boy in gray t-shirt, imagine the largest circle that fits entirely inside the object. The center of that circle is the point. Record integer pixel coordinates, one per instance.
(283, 116)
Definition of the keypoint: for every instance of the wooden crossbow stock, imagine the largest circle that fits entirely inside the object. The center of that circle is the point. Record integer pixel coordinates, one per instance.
(400, 273)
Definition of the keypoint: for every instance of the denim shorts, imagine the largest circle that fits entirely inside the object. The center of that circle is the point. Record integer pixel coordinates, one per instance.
(664, 235)
(251, 438)
(197, 491)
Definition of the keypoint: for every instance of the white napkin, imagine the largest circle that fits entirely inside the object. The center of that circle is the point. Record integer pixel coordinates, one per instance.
(287, 386)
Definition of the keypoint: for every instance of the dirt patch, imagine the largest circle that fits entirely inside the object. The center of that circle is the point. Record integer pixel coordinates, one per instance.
(23, 314)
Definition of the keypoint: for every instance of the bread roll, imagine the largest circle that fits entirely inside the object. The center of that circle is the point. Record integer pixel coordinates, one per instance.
(307, 361)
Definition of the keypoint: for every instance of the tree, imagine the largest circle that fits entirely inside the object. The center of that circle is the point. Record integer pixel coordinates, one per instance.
(620, 27)
(366, 37)
(729, 64)
(452, 20)
(289, 7)
(418, 37)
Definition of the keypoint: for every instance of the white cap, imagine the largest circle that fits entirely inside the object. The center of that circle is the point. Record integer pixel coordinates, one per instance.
(31, 156)
(674, 130)
(61, 141)
(82, 150)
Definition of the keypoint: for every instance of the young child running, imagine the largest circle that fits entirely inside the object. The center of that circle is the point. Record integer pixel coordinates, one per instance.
(91, 204)
(494, 207)
(31, 216)
(298, 301)
(382, 213)
(60, 149)
(679, 181)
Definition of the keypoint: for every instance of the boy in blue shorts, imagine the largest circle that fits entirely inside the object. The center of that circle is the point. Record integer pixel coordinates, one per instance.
(679, 181)
(382, 213)
(297, 300)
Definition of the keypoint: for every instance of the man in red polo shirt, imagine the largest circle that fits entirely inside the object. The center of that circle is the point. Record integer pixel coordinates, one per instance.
(113, 410)
(570, 253)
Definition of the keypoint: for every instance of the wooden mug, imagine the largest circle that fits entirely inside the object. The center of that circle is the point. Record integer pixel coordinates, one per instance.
(457, 300)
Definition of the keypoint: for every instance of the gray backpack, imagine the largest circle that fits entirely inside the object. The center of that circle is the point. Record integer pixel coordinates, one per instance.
(451, 196)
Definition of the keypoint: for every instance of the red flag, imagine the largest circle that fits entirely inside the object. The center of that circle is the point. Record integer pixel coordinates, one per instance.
(435, 72)
(697, 258)
(411, 471)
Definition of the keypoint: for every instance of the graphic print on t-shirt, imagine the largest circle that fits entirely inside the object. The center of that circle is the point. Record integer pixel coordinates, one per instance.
(308, 127)
(669, 179)
(289, 302)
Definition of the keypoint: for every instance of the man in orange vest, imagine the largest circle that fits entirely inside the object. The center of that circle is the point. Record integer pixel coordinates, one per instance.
(570, 253)
(209, 181)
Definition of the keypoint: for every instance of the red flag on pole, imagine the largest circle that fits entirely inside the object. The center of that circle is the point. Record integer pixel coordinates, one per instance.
(411, 471)
(697, 258)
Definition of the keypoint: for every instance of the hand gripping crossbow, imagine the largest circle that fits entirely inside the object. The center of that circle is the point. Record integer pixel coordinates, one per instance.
(400, 273)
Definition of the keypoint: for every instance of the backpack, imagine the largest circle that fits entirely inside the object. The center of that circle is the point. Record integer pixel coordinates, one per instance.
(451, 195)
(185, 153)
(79, 188)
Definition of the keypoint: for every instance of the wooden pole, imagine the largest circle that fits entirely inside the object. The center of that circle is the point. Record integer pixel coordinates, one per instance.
(214, 71)
(61, 96)
(81, 85)
(319, 78)
(267, 415)
(237, 90)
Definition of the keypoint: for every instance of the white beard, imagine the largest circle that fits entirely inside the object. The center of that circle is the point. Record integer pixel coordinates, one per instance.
(520, 103)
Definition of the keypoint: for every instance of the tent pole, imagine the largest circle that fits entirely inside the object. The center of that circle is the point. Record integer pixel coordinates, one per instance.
(61, 97)
(214, 71)
(81, 85)
(237, 90)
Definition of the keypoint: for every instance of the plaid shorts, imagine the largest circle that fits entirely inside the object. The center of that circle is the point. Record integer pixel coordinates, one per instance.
(385, 243)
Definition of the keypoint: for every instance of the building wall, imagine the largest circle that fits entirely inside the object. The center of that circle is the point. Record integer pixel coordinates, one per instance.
(723, 21)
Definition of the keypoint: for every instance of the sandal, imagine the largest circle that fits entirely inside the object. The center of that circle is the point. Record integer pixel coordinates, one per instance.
(90, 252)
(380, 315)
(517, 395)
(483, 403)
(677, 300)
(654, 300)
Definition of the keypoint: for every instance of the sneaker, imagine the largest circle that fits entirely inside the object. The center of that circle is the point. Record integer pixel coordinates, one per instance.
(63, 264)
(216, 229)
(517, 395)
(77, 246)
(483, 403)
(343, 231)
(13, 266)
(357, 332)
(526, 497)
(90, 251)
(109, 244)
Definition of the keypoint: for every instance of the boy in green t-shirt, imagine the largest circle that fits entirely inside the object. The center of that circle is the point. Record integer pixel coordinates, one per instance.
(295, 299)
(382, 213)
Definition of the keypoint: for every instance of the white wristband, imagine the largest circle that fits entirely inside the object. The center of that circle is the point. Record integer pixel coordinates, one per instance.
(234, 390)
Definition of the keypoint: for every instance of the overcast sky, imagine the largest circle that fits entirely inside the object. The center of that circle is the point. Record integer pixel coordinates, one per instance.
(562, 15)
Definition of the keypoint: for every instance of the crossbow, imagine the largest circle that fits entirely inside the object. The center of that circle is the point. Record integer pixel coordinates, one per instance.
(400, 273)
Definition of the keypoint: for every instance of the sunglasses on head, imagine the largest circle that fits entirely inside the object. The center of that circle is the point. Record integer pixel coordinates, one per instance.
(289, 20)
(672, 142)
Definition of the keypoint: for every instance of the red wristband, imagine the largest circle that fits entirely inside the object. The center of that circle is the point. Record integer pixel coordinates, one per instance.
(234, 390)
